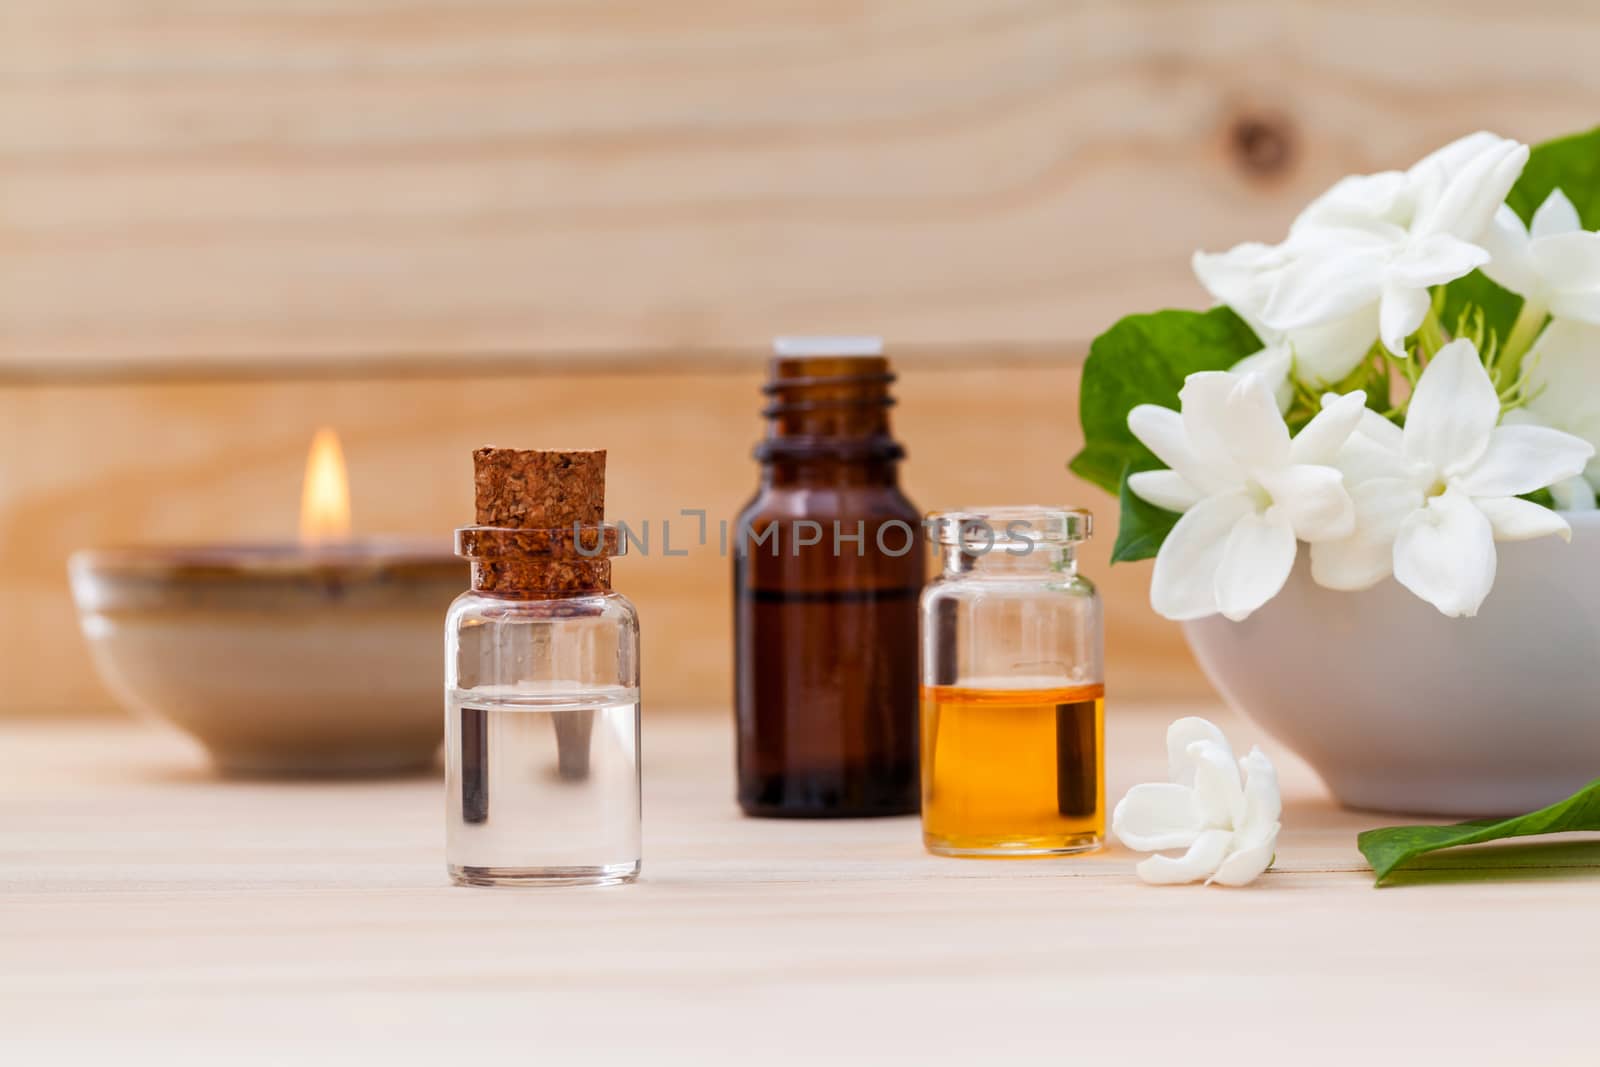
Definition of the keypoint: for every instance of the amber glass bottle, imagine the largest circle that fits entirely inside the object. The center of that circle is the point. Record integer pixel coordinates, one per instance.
(828, 564)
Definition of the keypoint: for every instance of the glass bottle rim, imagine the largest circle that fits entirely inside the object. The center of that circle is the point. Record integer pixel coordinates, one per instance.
(1010, 528)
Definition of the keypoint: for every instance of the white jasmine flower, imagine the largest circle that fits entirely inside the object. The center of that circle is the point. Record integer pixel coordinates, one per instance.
(1553, 263)
(1563, 369)
(1273, 366)
(1359, 200)
(1380, 265)
(1382, 240)
(1432, 499)
(1458, 188)
(1242, 278)
(1246, 491)
(1224, 813)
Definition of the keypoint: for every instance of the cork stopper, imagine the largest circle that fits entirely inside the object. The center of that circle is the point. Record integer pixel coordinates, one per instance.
(539, 520)
(539, 488)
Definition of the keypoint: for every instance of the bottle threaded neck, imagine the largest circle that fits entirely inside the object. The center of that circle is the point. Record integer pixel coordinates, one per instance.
(828, 407)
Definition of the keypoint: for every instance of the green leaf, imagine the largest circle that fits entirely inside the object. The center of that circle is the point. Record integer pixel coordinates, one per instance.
(1543, 497)
(1143, 359)
(1570, 163)
(1392, 846)
(1143, 527)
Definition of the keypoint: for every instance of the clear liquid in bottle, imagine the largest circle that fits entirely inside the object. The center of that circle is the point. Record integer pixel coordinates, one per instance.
(542, 784)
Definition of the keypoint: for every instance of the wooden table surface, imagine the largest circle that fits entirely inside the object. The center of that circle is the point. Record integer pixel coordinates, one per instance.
(144, 901)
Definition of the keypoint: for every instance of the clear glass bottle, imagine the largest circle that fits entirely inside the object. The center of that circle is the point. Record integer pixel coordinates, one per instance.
(1013, 695)
(542, 704)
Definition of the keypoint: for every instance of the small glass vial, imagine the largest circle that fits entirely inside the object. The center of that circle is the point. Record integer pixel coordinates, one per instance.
(541, 683)
(1013, 722)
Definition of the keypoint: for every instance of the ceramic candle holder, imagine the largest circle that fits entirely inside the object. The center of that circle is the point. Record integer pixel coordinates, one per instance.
(280, 660)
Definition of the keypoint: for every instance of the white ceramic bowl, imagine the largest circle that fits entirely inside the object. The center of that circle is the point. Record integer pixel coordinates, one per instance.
(280, 660)
(1401, 709)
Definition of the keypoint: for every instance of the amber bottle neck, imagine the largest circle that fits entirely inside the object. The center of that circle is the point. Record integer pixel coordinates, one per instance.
(828, 422)
(832, 473)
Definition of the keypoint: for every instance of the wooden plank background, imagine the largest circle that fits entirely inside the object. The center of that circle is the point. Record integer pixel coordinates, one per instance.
(161, 461)
(439, 223)
(281, 183)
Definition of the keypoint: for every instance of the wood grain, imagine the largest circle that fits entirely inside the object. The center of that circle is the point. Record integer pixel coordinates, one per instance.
(94, 465)
(145, 903)
(269, 186)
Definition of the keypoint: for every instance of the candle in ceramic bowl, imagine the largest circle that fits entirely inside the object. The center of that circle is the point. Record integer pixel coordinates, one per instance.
(322, 657)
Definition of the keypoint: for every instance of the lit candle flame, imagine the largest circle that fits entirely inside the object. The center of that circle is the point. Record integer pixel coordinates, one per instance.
(325, 498)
